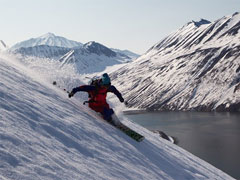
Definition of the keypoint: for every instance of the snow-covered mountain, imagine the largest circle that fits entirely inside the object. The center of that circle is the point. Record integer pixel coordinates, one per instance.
(46, 135)
(92, 57)
(3, 46)
(84, 58)
(49, 39)
(49, 46)
(196, 67)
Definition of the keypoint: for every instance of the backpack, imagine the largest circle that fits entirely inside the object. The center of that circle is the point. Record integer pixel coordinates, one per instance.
(95, 81)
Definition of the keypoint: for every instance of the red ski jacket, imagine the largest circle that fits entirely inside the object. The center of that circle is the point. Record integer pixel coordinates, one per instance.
(97, 96)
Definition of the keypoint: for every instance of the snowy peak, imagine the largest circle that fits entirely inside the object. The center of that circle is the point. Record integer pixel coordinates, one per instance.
(201, 22)
(97, 48)
(47, 39)
(48, 35)
(202, 33)
(196, 23)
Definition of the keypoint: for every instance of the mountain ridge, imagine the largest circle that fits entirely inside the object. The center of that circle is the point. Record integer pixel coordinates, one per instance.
(49, 39)
(88, 58)
(194, 68)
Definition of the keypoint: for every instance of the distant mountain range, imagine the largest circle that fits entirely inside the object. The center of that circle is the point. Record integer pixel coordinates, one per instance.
(81, 56)
(93, 57)
(197, 67)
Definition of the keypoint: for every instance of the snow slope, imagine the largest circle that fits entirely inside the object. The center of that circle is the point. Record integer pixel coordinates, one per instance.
(45, 135)
(197, 67)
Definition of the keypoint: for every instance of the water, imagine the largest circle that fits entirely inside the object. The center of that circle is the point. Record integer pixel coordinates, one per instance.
(214, 137)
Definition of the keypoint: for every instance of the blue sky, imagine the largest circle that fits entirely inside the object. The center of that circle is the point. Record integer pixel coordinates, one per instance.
(135, 25)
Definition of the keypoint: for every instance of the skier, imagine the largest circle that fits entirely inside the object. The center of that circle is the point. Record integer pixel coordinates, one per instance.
(97, 95)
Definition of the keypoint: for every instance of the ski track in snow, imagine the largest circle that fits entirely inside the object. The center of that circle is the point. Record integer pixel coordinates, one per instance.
(46, 135)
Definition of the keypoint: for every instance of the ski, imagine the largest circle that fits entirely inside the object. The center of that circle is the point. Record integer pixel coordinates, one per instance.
(125, 129)
(131, 133)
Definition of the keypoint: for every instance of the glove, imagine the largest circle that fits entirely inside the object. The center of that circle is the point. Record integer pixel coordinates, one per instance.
(121, 100)
(71, 94)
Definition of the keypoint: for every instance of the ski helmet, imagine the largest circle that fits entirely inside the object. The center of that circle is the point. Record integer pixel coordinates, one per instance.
(105, 79)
